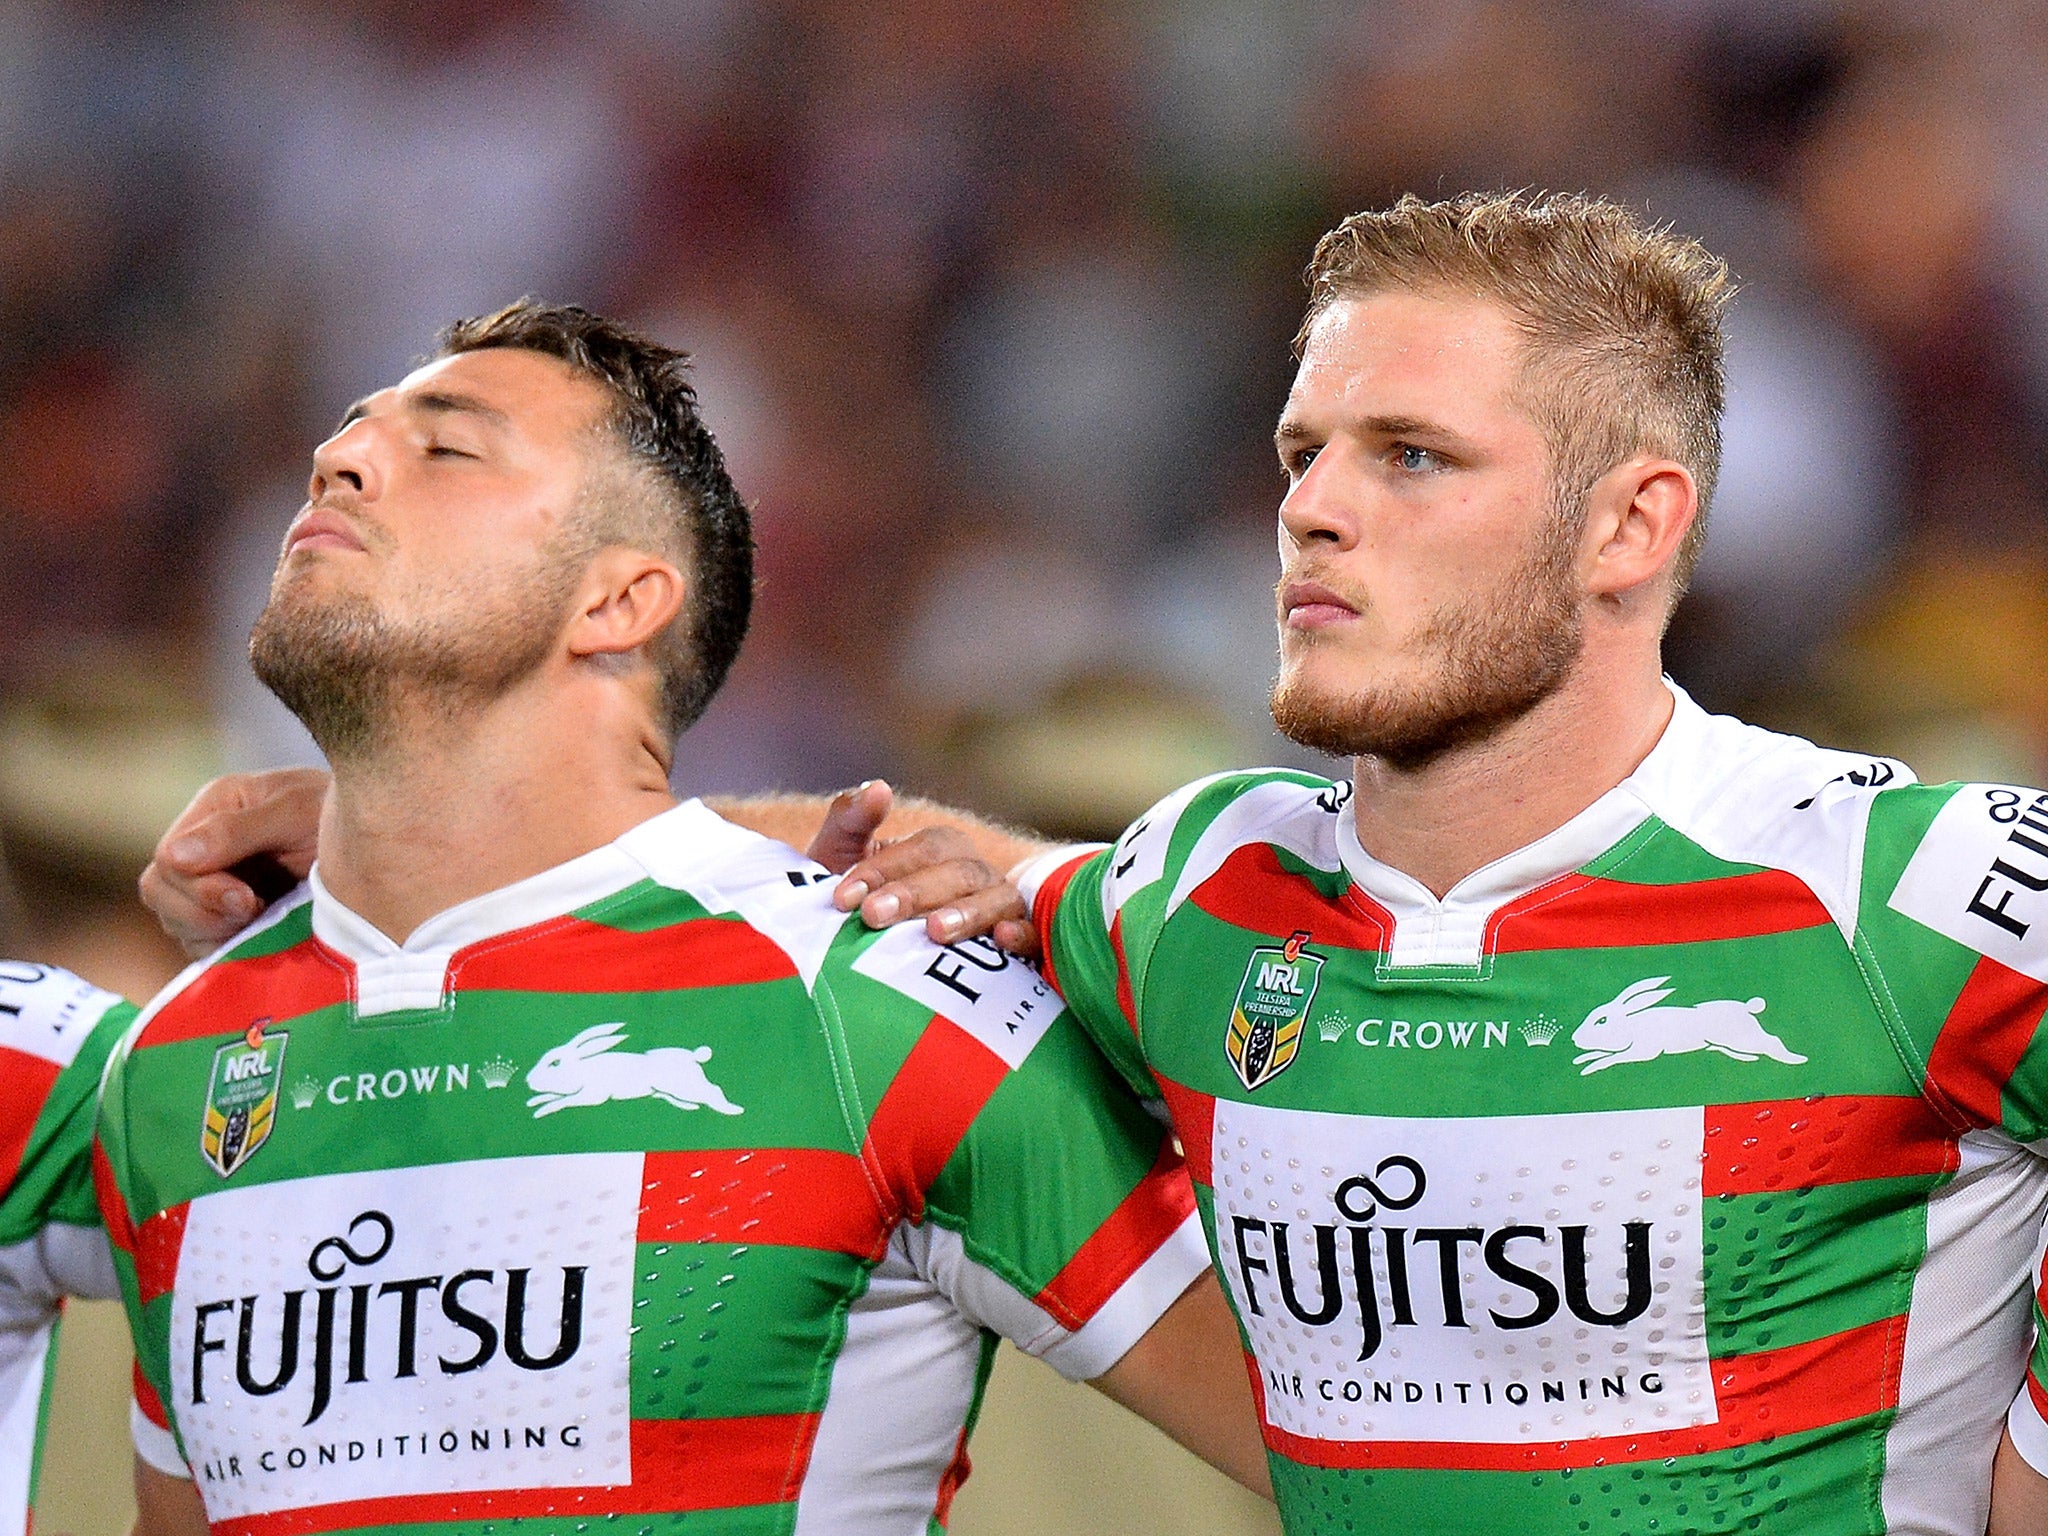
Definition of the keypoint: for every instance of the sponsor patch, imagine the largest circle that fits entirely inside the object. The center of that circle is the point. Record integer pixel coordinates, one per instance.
(434, 1330)
(1512, 1279)
(983, 988)
(1980, 876)
(241, 1097)
(1264, 1032)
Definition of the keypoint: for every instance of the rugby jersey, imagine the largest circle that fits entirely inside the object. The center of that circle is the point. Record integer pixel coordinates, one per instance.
(648, 1190)
(1680, 1171)
(55, 1033)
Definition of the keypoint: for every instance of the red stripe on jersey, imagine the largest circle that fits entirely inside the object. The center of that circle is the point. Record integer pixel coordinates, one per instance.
(1987, 1031)
(1253, 891)
(1051, 892)
(1126, 995)
(236, 993)
(928, 1106)
(29, 1079)
(158, 1242)
(1580, 912)
(570, 955)
(1752, 1149)
(1148, 1216)
(793, 1197)
(957, 1472)
(113, 1209)
(678, 1464)
(1194, 1122)
(1788, 1391)
(146, 1399)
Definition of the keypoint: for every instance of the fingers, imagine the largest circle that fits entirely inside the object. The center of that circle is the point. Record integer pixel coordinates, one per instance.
(913, 876)
(275, 813)
(240, 840)
(850, 824)
(1019, 938)
(199, 914)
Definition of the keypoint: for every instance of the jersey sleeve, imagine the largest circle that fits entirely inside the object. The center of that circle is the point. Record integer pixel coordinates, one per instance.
(56, 1032)
(1954, 929)
(1050, 1207)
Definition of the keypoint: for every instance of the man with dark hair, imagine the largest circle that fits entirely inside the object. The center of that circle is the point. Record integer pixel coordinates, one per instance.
(740, 1242)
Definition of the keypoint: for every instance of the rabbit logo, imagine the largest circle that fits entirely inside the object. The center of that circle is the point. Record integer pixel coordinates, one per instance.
(590, 1069)
(1634, 1028)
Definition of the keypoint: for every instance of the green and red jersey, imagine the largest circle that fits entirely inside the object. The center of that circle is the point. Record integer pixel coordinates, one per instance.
(1681, 1171)
(55, 1035)
(650, 1189)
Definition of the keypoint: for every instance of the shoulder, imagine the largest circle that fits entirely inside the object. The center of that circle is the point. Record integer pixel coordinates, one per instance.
(1968, 862)
(47, 1014)
(731, 871)
(272, 967)
(1747, 795)
(1187, 836)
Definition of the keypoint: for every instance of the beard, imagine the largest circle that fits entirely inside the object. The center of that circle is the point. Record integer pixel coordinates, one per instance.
(346, 669)
(1497, 657)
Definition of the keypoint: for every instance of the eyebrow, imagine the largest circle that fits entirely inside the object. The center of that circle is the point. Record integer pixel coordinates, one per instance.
(435, 402)
(1292, 430)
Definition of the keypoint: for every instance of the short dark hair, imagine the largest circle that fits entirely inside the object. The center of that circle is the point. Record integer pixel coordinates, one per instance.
(702, 520)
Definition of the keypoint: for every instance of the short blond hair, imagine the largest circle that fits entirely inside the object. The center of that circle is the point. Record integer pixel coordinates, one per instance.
(1623, 321)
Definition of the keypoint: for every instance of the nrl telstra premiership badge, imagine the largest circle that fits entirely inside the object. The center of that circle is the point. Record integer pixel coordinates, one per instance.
(1272, 1005)
(241, 1097)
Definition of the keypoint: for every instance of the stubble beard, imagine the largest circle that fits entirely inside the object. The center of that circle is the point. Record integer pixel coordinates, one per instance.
(1499, 655)
(352, 674)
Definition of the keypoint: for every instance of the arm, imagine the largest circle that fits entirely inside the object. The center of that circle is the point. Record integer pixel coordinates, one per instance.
(1187, 1376)
(246, 839)
(166, 1505)
(2019, 1494)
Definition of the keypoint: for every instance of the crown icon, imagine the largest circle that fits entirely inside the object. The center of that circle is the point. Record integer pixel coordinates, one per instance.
(1330, 1026)
(1540, 1030)
(305, 1091)
(497, 1072)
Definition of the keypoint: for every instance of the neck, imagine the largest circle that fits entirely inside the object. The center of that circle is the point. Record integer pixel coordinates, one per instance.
(459, 802)
(1460, 812)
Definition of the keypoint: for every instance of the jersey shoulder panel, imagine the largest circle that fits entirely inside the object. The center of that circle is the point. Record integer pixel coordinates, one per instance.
(782, 894)
(1186, 837)
(1751, 796)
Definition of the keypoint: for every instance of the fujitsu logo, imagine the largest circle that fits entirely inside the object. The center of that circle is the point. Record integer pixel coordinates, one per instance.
(371, 1329)
(1420, 1269)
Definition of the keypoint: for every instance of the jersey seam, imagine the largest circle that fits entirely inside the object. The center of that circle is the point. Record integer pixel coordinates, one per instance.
(846, 1089)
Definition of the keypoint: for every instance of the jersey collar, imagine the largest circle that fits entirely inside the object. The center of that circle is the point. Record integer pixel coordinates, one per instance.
(1452, 932)
(391, 976)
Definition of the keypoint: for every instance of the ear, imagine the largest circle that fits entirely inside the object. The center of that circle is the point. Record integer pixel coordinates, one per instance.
(625, 599)
(1647, 984)
(1637, 516)
(583, 1040)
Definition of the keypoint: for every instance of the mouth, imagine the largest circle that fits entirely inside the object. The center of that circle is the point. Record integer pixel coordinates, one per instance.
(1309, 605)
(320, 528)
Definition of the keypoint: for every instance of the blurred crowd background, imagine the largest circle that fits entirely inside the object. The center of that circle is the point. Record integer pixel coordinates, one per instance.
(990, 306)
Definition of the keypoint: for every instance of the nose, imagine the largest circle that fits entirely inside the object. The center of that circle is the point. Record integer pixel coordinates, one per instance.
(1320, 509)
(345, 466)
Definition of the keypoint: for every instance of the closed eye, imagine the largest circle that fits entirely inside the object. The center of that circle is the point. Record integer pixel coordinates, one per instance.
(443, 451)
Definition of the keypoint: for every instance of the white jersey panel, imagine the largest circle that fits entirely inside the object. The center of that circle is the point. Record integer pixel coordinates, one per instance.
(1969, 1324)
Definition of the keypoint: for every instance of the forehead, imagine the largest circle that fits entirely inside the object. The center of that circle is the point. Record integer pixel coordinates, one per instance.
(1409, 353)
(535, 396)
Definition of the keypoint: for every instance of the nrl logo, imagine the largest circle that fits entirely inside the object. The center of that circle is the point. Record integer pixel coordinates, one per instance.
(241, 1098)
(1272, 1004)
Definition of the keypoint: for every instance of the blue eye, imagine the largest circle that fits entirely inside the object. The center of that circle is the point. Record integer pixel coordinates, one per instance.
(1415, 460)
